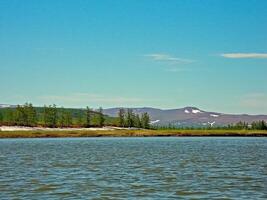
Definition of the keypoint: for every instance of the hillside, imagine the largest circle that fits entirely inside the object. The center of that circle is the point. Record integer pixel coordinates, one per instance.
(190, 116)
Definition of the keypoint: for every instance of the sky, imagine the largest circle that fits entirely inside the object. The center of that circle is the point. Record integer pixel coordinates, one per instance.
(151, 53)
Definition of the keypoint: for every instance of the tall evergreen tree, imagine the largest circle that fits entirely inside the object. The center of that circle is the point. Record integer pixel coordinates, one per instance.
(31, 115)
(145, 120)
(80, 119)
(20, 116)
(121, 116)
(138, 123)
(1, 118)
(68, 119)
(65, 118)
(9, 117)
(101, 118)
(88, 117)
(130, 118)
(50, 116)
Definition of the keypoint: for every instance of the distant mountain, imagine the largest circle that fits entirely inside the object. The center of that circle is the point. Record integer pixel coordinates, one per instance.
(190, 116)
(182, 117)
(7, 106)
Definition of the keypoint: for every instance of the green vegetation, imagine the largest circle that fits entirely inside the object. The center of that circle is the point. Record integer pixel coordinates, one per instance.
(25, 115)
(130, 133)
(53, 117)
(130, 119)
(256, 125)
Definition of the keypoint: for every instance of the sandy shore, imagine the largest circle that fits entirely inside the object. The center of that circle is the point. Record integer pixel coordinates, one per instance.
(38, 132)
(23, 128)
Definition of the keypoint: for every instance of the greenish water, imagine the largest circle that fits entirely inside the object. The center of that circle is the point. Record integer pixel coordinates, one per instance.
(134, 168)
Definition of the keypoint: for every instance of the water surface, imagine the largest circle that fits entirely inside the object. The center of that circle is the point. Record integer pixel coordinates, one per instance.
(134, 168)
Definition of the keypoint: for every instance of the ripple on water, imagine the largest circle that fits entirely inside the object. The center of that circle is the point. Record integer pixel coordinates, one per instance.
(133, 168)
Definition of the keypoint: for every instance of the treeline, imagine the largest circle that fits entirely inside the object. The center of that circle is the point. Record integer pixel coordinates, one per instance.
(256, 125)
(127, 118)
(51, 116)
(59, 117)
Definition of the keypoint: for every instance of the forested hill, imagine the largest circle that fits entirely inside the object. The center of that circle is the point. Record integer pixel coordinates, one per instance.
(52, 116)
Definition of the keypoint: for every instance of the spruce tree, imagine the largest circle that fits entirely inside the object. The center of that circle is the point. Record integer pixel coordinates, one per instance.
(101, 118)
(31, 115)
(50, 116)
(1, 118)
(138, 123)
(121, 116)
(88, 117)
(145, 121)
(130, 118)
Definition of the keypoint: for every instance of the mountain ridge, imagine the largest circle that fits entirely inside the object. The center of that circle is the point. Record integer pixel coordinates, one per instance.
(182, 117)
(190, 116)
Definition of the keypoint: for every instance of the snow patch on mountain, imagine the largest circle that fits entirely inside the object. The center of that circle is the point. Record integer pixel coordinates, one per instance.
(196, 111)
(213, 115)
(186, 111)
(154, 122)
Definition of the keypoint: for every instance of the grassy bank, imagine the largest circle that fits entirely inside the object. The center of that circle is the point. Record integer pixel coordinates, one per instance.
(129, 133)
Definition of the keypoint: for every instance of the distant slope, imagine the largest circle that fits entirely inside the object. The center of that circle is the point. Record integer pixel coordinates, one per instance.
(7, 106)
(190, 116)
(76, 113)
(187, 116)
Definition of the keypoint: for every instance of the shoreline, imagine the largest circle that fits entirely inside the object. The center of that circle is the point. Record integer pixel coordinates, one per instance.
(26, 128)
(38, 132)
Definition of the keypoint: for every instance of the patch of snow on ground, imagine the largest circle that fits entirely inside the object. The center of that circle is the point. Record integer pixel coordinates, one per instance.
(23, 128)
(213, 115)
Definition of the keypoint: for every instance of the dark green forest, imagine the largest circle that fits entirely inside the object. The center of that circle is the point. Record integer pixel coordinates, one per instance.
(53, 116)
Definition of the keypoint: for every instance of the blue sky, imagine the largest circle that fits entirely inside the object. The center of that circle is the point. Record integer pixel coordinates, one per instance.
(165, 54)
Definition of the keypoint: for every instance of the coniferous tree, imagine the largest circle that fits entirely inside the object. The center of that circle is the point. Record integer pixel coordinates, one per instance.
(9, 117)
(100, 118)
(80, 121)
(50, 116)
(259, 125)
(68, 119)
(138, 123)
(145, 121)
(1, 118)
(20, 116)
(65, 118)
(31, 114)
(61, 118)
(88, 117)
(130, 118)
(121, 116)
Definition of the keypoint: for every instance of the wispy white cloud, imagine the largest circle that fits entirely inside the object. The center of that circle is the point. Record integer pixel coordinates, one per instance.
(168, 58)
(245, 55)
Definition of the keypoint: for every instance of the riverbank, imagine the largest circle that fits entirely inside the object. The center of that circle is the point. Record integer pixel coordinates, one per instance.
(114, 132)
